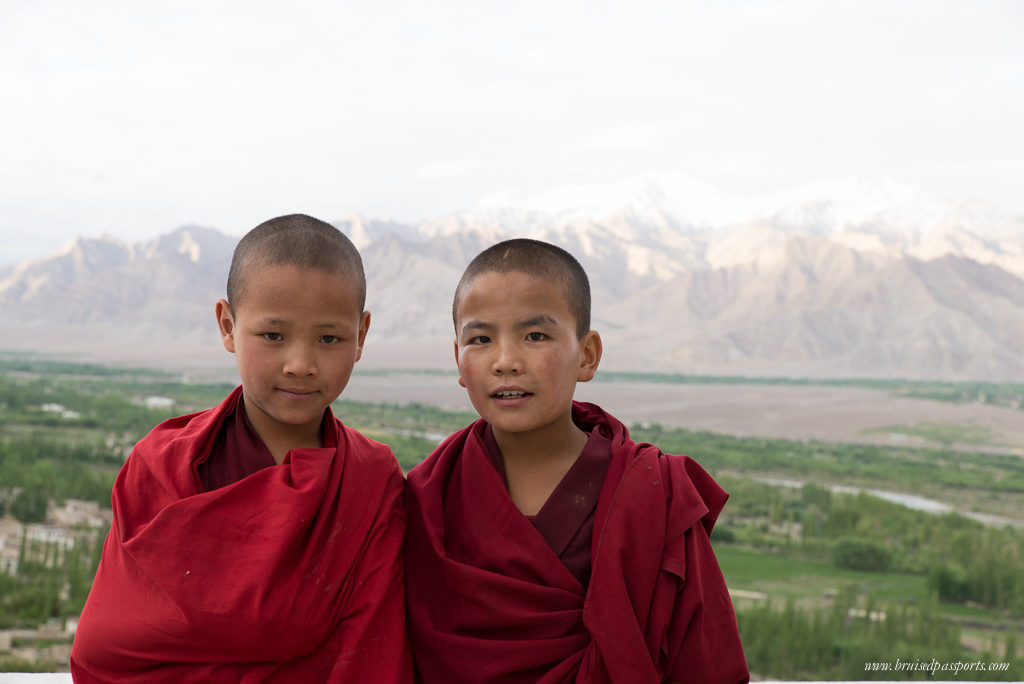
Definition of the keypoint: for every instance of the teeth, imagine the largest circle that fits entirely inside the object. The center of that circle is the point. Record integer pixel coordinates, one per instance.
(510, 395)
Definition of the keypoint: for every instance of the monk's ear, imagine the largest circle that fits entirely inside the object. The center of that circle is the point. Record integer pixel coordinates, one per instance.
(461, 381)
(364, 327)
(590, 356)
(226, 323)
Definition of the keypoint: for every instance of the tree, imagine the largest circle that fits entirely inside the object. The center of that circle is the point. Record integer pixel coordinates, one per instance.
(861, 554)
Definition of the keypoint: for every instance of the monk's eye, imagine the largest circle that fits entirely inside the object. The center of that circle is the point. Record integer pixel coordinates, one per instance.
(330, 339)
(536, 336)
(272, 337)
(480, 339)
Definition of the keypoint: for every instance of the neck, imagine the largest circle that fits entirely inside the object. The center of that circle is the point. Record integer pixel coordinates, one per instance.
(280, 445)
(536, 461)
(280, 439)
(560, 441)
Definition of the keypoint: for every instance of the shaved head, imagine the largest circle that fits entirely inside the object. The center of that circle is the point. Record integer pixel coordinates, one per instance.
(294, 240)
(538, 259)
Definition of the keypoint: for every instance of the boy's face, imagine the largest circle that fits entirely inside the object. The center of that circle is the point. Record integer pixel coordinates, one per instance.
(518, 354)
(296, 335)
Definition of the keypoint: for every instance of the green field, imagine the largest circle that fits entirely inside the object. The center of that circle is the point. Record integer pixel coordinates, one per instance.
(809, 566)
(942, 433)
(815, 584)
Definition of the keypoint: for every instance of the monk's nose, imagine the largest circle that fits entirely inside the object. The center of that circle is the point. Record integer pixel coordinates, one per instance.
(301, 362)
(507, 360)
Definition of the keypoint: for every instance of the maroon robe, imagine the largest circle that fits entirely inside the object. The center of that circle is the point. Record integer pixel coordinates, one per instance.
(490, 602)
(566, 521)
(292, 574)
(238, 452)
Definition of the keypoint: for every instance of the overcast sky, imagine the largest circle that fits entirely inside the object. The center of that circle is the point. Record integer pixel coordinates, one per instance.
(135, 118)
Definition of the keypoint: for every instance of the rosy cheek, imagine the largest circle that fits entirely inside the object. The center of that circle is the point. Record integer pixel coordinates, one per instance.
(554, 363)
(467, 373)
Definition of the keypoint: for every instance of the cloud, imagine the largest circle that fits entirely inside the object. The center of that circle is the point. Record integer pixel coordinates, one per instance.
(447, 169)
(134, 119)
(629, 137)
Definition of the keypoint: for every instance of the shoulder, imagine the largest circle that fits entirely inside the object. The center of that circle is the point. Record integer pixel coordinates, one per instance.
(362, 444)
(159, 469)
(184, 431)
(693, 494)
(441, 461)
(678, 470)
(175, 435)
(367, 454)
(172, 427)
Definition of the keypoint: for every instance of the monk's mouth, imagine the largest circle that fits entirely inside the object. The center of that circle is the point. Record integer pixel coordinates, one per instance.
(512, 394)
(298, 393)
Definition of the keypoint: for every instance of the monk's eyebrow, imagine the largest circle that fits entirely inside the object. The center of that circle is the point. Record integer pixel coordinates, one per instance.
(542, 320)
(473, 325)
(281, 322)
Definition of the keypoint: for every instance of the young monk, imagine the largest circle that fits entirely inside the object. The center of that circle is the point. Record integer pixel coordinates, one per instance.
(543, 545)
(260, 541)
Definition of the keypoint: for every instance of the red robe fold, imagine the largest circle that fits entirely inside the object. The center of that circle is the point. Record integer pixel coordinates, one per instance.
(292, 574)
(491, 603)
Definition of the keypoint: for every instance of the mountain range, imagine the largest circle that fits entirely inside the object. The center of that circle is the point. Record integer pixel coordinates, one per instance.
(848, 278)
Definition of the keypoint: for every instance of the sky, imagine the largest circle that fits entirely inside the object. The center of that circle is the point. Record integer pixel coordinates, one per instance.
(133, 119)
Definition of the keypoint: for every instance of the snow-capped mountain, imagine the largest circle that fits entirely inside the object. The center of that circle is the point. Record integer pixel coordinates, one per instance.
(845, 278)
